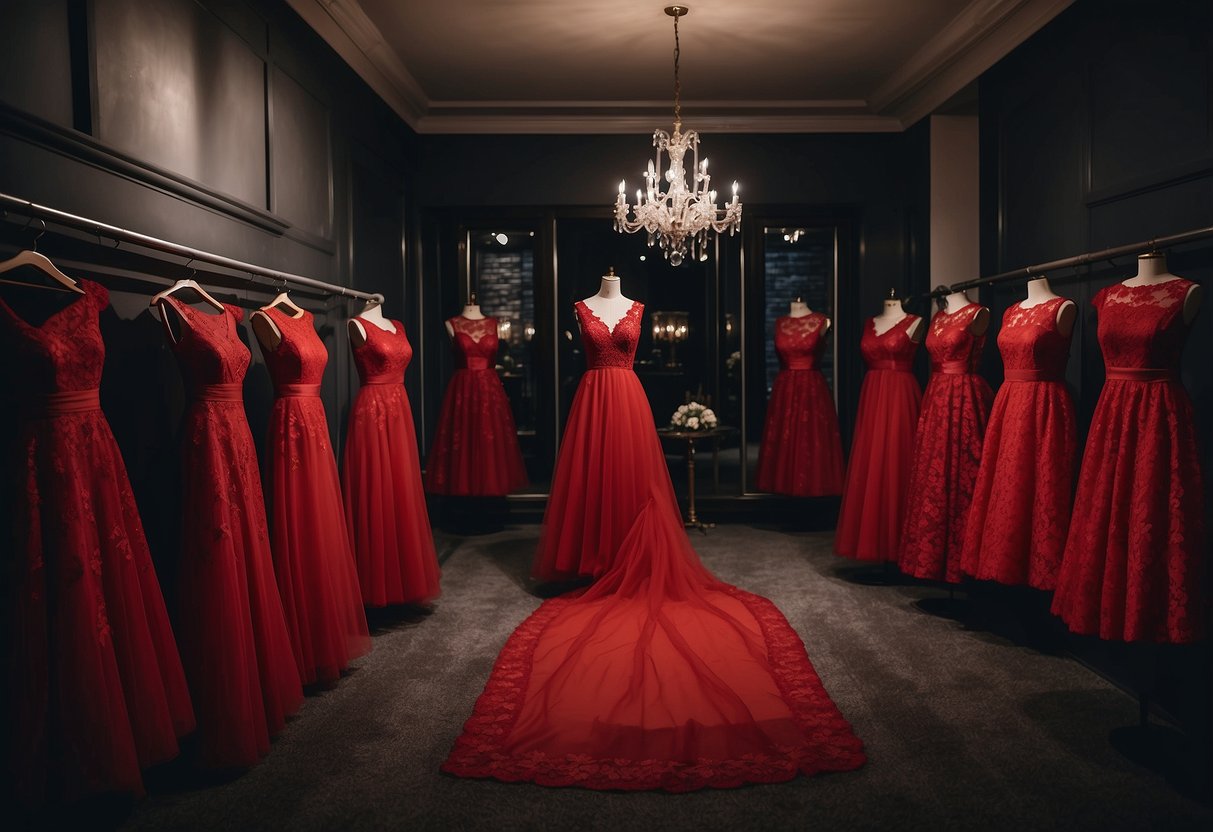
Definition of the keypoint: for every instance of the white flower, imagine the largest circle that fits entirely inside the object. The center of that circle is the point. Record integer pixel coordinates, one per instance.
(682, 408)
(693, 423)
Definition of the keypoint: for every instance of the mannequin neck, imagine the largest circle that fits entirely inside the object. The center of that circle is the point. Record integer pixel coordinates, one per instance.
(956, 301)
(893, 310)
(1152, 268)
(373, 312)
(472, 312)
(799, 309)
(609, 287)
(1039, 291)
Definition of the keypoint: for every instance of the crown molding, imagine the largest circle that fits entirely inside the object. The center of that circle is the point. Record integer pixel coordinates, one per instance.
(983, 33)
(980, 36)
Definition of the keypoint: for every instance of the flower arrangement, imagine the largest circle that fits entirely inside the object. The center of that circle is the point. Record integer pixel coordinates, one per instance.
(693, 416)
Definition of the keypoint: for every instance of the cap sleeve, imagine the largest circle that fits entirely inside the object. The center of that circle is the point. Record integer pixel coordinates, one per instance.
(1100, 297)
(99, 294)
(237, 313)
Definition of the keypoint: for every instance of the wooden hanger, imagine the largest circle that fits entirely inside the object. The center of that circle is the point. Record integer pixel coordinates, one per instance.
(284, 300)
(186, 283)
(32, 258)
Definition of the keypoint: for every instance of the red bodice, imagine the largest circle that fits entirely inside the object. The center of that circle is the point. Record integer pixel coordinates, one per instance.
(1142, 326)
(1031, 347)
(606, 347)
(209, 349)
(953, 349)
(384, 356)
(799, 341)
(300, 355)
(475, 342)
(892, 349)
(66, 352)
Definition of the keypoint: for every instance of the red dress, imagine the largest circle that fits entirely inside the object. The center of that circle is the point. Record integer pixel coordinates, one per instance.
(878, 474)
(475, 451)
(313, 560)
(801, 451)
(229, 617)
(97, 691)
(947, 449)
(658, 676)
(1016, 529)
(1135, 559)
(381, 479)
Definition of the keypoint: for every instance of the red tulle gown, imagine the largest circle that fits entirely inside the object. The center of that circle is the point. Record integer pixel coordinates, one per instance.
(229, 617)
(313, 560)
(381, 479)
(1016, 529)
(947, 449)
(878, 474)
(97, 690)
(475, 451)
(658, 676)
(801, 451)
(1135, 562)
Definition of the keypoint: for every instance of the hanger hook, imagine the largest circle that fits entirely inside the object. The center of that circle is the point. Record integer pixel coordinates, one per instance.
(189, 264)
(41, 231)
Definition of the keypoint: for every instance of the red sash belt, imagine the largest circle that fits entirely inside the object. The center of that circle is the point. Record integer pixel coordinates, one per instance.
(1038, 374)
(231, 392)
(1141, 374)
(951, 368)
(68, 401)
(801, 364)
(297, 390)
(475, 362)
(889, 364)
(384, 378)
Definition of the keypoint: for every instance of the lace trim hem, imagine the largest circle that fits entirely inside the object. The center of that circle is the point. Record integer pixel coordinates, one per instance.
(477, 752)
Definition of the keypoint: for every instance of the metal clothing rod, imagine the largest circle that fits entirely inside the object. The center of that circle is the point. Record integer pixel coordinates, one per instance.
(101, 229)
(1040, 270)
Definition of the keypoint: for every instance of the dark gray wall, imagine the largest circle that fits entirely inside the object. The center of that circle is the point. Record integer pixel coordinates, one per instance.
(1097, 132)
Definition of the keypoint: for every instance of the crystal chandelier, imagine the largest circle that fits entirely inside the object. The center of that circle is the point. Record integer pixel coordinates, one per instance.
(680, 217)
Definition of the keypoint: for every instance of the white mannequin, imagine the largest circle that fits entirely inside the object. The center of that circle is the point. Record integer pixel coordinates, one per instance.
(891, 315)
(372, 313)
(959, 300)
(609, 305)
(1152, 270)
(265, 329)
(798, 309)
(1040, 292)
(471, 311)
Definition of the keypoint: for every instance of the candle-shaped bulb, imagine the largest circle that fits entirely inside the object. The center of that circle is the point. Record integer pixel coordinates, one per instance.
(637, 196)
(623, 186)
(712, 196)
(734, 188)
(703, 166)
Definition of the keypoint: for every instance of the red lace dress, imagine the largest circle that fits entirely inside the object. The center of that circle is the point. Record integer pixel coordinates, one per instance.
(97, 691)
(381, 479)
(878, 474)
(475, 451)
(1016, 529)
(1135, 562)
(229, 617)
(947, 449)
(658, 676)
(801, 451)
(313, 560)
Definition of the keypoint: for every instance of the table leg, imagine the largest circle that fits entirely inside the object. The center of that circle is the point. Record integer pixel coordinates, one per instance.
(692, 517)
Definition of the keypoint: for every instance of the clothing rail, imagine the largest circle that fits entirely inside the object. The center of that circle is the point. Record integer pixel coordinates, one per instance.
(1042, 269)
(113, 232)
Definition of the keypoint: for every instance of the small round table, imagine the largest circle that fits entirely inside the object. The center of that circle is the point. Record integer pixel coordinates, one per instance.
(691, 437)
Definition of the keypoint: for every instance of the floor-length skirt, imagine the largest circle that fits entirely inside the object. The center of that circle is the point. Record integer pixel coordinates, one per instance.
(475, 451)
(801, 451)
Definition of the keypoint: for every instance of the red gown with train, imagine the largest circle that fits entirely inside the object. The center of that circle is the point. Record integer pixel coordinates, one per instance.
(878, 473)
(313, 561)
(229, 618)
(1136, 557)
(475, 451)
(658, 676)
(801, 451)
(381, 478)
(96, 690)
(1016, 529)
(947, 449)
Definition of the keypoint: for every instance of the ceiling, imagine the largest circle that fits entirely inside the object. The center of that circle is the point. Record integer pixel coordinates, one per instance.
(753, 66)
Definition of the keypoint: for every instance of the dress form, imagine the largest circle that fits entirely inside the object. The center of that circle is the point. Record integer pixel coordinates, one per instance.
(267, 332)
(471, 311)
(372, 313)
(956, 301)
(1039, 292)
(798, 309)
(1152, 270)
(893, 313)
(609, 305)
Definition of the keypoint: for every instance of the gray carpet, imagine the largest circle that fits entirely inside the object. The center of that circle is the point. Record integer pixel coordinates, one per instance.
(963, 728)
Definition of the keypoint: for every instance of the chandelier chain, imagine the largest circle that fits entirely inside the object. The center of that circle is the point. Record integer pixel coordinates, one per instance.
(677, 82)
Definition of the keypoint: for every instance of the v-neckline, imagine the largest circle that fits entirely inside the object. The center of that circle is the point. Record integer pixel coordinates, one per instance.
(610, 329)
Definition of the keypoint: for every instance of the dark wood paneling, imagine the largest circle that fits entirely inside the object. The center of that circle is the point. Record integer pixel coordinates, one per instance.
(35, 62)
(302, 157)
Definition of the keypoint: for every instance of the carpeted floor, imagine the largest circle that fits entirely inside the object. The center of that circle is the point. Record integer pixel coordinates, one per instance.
(964, 729)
